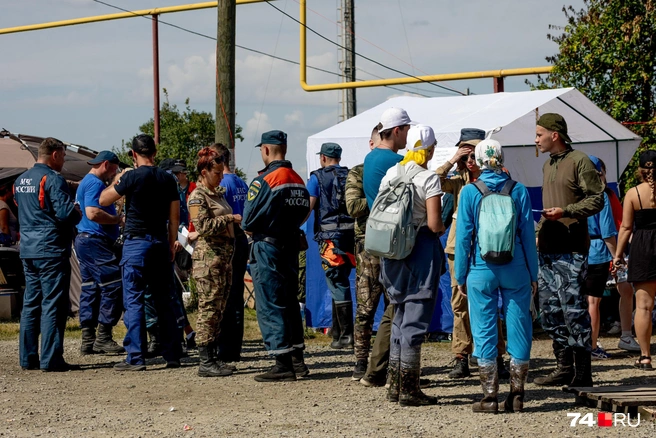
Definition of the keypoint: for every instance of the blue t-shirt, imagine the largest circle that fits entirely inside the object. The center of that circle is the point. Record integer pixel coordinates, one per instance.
(88, 195)
(601, 226)
(236, 190)
(376, 165)
(313, 186)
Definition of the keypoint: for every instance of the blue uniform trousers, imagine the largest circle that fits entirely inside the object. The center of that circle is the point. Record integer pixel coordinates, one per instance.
(179, 312)
(484, 284)
(45, 309)
(337, 278)
(146, 264)
(100, 300)
(275, 279)
(231, 334)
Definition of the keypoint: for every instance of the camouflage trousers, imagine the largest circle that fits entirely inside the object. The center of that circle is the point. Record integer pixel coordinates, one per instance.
(213, 274)
(368, 293)
(302, 269)
(564, 308)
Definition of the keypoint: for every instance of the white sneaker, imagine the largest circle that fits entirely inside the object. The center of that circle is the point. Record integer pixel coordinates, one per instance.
(615, 329)
(629, 344)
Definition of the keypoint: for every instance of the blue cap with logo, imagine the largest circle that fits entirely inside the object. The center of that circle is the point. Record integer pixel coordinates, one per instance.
(273, 137)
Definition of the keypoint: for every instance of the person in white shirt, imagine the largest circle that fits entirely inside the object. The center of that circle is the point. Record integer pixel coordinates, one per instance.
(412, 283)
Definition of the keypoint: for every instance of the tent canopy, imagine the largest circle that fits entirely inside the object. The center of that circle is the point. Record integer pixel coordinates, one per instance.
(591, 129)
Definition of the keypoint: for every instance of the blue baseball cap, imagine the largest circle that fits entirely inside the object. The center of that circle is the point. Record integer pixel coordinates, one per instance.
(273, 137)
(470, 136)
(331, 150)
(105, 156)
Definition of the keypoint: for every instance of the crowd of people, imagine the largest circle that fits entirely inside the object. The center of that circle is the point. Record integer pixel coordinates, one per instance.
(499, 260)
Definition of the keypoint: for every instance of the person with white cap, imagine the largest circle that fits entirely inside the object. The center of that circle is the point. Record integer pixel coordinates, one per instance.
(412, 283)
(496, 256)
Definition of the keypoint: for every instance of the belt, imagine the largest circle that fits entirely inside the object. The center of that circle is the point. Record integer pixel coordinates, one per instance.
(146, 237)
(95, 236)
(275, 241)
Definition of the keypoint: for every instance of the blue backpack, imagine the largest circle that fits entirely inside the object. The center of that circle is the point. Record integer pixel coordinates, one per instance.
(497, 223)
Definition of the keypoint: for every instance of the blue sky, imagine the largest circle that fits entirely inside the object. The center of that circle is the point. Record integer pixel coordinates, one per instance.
(92, 84)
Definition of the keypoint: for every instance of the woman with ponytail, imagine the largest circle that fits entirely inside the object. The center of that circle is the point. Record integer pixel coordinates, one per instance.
(640, 221)
(412, 283)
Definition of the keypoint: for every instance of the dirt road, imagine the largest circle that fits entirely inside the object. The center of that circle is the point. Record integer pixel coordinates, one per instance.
(99, 402)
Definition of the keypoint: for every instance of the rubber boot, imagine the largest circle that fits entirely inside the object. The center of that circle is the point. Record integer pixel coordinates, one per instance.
(154, 349)
(583, 368)
(335, 332)
(394, 379)
(207, 367)
(345, 317)
(300, 369)
(104, 342)
(411, 393)
(490, 385)
(564, 372)
(282, 371)
(518, 375)
(88, 339)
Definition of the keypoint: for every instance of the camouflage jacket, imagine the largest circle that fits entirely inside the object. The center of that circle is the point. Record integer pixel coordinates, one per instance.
(452, 185)
(211, 215)
(356, 201)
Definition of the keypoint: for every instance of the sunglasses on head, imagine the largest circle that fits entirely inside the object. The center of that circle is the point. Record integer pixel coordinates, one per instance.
(467, 157)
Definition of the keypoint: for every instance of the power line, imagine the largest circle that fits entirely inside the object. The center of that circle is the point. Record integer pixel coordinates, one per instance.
(358, 54)
(279, 58)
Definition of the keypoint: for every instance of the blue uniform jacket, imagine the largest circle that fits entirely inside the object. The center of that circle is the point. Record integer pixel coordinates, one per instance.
(525, 256)
(46, 213)
(277, 202)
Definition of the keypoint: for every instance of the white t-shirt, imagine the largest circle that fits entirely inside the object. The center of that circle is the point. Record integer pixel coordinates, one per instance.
(427, 185)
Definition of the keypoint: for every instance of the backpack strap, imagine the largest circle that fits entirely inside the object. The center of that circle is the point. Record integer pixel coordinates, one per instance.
(482, 187)
(508, 187)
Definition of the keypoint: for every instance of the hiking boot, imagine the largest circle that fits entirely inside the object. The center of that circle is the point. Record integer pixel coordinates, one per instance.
(518, 375)
(298, 362)
(154, 349)
(461, 367)
(373, 380)
(360, 369)
(394, 380)
(208, 367)
(88, 339)
(564, 372)
(282, 371)
(334, 331)
(411, 394)
(124, 366)
(583, 368)
(104, 342)
(501, 369)
(490, 385)
(473, 362)
(345, 318)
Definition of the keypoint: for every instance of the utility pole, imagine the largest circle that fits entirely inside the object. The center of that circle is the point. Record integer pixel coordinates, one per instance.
(225, 76)
(156, 79)
(348, 11)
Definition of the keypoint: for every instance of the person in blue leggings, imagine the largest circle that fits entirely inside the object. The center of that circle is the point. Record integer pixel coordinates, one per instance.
(483, 282)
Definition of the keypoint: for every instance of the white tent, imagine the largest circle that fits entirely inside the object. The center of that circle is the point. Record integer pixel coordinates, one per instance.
(591, 130)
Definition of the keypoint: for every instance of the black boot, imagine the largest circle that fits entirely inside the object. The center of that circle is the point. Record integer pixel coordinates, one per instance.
(501, 369)
(88, 338)
(335, 332)
(300, 369)
(583, 368)
(345, 317)
(282, 371)
(394, 379)
(209, 368)
(564, 372)
(461, 368)
(214, 352)
(411, 393)
(490, 385)
(154, 348)
(104, 342)
(518, 375)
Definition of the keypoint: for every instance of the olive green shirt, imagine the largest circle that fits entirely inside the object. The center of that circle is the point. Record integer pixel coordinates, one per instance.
(356, 201)
(571, 182)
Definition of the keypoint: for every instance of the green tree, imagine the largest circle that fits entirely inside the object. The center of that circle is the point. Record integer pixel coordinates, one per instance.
(182, 134)
(607, 50)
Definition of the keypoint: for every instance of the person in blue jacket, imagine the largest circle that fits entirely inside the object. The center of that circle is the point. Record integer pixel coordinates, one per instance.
(277, 203)
(483, 282)
(47, 216)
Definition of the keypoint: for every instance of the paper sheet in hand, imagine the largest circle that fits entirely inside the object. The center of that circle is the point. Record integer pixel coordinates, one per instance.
(183, 239)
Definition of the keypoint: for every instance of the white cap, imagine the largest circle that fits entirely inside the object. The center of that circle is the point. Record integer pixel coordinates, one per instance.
(394, 117)
(420, 137)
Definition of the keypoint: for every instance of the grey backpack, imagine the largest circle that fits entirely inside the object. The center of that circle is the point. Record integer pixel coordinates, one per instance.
(389, 231)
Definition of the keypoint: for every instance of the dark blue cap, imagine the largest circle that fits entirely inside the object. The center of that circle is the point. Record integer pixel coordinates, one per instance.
(331, 150)
(273, 137)
(105, 156)
(596, 162)
(469, 134)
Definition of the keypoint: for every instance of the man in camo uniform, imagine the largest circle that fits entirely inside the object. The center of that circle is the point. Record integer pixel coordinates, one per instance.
(368, 288)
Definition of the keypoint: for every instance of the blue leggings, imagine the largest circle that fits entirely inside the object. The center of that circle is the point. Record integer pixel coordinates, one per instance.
(484, 284)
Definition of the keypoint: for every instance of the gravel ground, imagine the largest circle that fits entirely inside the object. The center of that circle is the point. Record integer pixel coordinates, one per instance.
(98, 401)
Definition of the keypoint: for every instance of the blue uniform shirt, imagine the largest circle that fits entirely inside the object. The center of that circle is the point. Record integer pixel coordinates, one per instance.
(601, 226)
(277, 202)
(88, 195)
(46, 213)
(376, 165)
(235, 194)
(313, 186)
